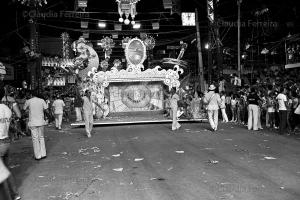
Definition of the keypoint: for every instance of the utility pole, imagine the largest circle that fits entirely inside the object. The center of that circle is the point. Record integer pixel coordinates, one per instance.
(200, 60)
(239, 37)
(209, 56)
(218, 42)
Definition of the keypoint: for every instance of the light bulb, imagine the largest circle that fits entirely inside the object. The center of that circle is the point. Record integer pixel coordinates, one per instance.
(127, 21)
(121, 20)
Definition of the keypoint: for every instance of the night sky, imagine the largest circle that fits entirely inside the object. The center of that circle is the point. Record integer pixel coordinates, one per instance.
(282, 18)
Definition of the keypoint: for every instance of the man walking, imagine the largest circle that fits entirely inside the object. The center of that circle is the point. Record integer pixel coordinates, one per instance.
(36, 107)
(58, 106)
(88, 113)
(213, 101)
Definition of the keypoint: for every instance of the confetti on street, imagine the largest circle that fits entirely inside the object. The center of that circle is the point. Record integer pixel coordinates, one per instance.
(138, 159)
(269, 158)
(118, 169)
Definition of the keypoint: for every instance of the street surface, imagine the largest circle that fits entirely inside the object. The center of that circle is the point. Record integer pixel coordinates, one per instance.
(151, 162)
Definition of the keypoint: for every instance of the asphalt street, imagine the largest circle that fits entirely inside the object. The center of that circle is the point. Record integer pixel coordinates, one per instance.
(151, 162)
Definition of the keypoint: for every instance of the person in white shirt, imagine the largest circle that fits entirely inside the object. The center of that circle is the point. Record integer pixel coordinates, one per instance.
(223, 107)
(88, 110)
(36, 107)
(58, 110)
(174, 107)
(5, 118)
(213, 101)
(282, 107)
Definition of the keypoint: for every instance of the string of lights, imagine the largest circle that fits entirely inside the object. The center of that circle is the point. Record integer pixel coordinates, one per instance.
(106, 31)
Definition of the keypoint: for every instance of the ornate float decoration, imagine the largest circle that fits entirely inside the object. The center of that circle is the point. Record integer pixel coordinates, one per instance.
(127, 8)
(65, 45)
(107, 44)
(33, 2)
(177, 61)
(117, 64)
(135, 53)
(87, 58)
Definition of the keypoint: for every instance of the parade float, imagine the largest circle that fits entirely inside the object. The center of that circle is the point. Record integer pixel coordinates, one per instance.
(132, 89)
(118, 89)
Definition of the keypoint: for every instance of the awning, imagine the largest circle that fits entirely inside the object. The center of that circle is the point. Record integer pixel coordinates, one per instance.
(294, 65)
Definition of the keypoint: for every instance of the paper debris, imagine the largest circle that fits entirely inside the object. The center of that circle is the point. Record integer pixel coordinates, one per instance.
(170, 168)
(209, 148)
(81, 150)
(64, 153)
(98, 166)
(269, 158)
(87, 161)
(213, 161)
(96, 150)
(138, 159)
(153, 179)
(41, 176)
(86, 153)
(282, 188)
(179, 151)
(116, 155)
(118, 169)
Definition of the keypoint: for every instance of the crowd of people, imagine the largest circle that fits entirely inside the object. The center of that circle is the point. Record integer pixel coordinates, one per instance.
(272, 101)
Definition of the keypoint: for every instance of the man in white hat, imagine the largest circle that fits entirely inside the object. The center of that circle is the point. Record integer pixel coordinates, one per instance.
(213, 102)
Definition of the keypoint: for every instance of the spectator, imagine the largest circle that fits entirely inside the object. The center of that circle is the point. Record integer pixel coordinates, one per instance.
(36, 107)
(88, 113)
(78, 102)
(5, 118)
(174, 107)
(282, 107)
(58, 110)
(253, 102)
(223, 107)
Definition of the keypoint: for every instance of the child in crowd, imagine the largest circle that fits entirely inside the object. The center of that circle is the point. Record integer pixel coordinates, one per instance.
(271, 110)
(233, 104)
